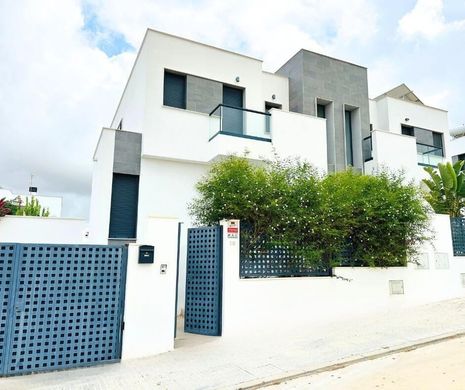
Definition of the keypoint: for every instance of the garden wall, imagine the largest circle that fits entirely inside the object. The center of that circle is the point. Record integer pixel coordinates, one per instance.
(258, 305)
(43, 230)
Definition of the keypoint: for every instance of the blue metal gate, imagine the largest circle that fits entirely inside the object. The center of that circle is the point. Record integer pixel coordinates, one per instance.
(204, 281)
(61, 306)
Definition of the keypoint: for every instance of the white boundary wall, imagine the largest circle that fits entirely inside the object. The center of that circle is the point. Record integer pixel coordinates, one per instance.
(149, 309)
(43, 230)
(261, 305)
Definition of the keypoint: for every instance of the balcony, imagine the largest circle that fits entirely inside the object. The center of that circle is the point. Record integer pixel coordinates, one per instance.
(428, 155)
(240, 122)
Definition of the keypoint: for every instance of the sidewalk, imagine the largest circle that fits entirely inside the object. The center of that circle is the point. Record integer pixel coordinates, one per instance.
(201, 362)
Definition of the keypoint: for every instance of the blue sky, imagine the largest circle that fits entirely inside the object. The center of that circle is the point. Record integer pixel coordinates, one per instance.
(65, 63)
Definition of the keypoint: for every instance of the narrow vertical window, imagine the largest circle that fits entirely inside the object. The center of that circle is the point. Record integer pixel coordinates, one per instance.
(320, 111)
(348, 134)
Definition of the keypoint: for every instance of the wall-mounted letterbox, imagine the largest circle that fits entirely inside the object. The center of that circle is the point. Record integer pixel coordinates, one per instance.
(146, 253)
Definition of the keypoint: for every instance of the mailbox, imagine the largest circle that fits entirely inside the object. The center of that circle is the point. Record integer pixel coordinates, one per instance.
(146, 253)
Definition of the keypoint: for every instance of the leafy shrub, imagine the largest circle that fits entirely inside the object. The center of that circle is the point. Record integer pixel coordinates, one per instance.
(342, 217)
(374, 220)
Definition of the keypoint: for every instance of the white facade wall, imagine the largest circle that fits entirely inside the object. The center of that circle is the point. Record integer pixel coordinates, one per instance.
(102, 178)
(273, 84)
(43, 230)
(456, 146)
(261, 305)
(149, 310)
(396, 152)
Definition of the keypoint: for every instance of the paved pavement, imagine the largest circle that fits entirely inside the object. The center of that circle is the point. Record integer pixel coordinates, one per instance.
(201, 362)
(438, 366)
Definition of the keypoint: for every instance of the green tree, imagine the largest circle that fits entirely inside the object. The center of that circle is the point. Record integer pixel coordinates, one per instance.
(446, 187)
(32, 208)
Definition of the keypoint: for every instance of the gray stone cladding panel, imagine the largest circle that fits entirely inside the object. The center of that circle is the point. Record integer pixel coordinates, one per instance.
(203, 95)
(127, 152)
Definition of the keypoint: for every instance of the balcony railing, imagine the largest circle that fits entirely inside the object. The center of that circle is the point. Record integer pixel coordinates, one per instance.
(240, 122)
(429, 155)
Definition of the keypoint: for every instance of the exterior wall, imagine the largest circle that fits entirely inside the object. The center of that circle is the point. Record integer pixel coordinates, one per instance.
(149, 311)
(258, 305)
(293, 69)
(102, 177)
(127, 152)
(404, 158)
(203, 95)
(456, 146)
(42, 230)
(302, 136)
(131, 107)
(314, 76)
(278, 86)
(165, 190)
(392, 113)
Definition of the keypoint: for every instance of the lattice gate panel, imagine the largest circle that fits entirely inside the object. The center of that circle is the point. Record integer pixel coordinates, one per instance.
(8, 253)
(204, 281)
(68, 307)
(457, 225)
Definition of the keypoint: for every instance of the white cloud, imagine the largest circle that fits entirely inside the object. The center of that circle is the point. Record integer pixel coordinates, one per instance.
(427, 20)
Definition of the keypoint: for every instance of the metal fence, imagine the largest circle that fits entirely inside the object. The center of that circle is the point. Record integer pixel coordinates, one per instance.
(457, 225)
(62, 306)
(263, 259)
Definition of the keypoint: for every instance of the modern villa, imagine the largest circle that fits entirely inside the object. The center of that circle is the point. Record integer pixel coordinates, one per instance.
(187, 104)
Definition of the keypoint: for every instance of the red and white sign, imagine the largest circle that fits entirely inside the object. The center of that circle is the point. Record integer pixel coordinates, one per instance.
(232, 229)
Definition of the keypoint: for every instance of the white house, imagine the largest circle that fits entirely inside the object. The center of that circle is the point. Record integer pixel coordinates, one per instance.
(187, 104)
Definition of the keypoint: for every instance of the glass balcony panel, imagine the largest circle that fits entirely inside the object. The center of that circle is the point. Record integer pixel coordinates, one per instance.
(429, 155)
(239, 122)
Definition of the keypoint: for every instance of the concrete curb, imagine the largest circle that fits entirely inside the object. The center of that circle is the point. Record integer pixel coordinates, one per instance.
(272, 381)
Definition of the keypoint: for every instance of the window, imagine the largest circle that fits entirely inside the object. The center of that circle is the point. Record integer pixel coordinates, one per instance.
(430, 148)
(407, 130)
(348, 133)
(320, 111)
(174, 91)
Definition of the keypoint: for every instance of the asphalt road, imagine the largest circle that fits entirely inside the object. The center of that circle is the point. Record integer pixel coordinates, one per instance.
(438, 366)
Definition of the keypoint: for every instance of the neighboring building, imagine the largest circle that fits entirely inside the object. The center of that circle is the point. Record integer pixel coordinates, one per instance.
(406, 134)
(54, 204)
(457, 143)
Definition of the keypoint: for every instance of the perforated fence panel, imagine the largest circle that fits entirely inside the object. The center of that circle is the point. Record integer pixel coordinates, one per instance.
(66, 306)
(458, 235)
(263, 259)
(203, 281)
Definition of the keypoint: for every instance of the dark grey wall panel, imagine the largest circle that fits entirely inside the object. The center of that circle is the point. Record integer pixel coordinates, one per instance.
(314, 76)
(127, 153)
(203, 95)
